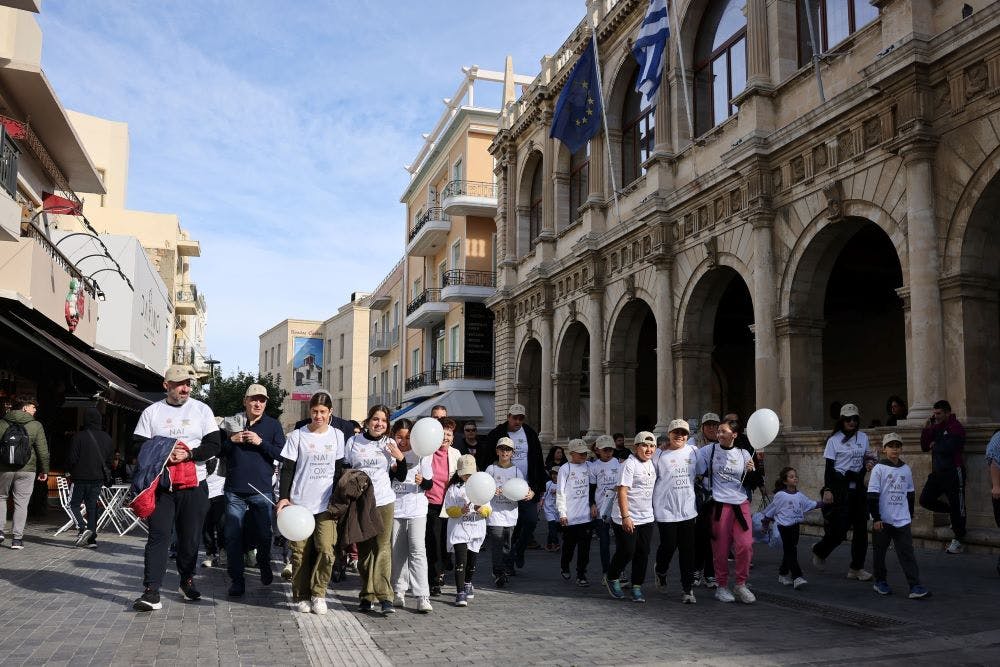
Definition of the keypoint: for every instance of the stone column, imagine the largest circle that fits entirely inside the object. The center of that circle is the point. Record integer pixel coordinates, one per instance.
(598, 418)
(665, 386)
(758, 48)
(549, 152)
(546, 426)
(765, 342)
(693, 364)
(801, 372)
(927, 360)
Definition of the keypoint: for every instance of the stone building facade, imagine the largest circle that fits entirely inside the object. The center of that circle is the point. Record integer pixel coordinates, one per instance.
(781, 237)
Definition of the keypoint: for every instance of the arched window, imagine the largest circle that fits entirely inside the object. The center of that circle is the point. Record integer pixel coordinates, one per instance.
(720, 62)
(535, 210)
(638, 121)
(579, 181)
(833, 21)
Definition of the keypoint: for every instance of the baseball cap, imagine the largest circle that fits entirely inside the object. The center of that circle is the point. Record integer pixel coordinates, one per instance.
(505, 442)
(256, 390)
(577, 446)
(709, 417)
(644, 437)
(179, 373)
(517, 409)
(891, 437)
(679, 424)
(849, 410)
(466, 464)
(604, 442)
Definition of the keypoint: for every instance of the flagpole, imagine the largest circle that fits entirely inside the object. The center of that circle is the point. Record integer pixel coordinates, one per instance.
(684, 82)
(604, 120)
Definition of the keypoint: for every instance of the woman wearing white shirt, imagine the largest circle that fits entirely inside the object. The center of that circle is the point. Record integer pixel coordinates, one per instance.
(674, 506)
(311, 462)
(373, 452)
(409, 555)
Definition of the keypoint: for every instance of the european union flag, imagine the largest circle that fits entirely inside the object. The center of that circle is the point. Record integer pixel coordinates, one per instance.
(578, 111)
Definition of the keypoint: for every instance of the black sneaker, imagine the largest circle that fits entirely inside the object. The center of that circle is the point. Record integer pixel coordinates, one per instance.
(16, 544)
(236, 589)
(435, 590)
(266, 575)
(365, 606)
(660, 580)
(500, 580)
(188, 591)
(565, 575)
(149, 601)
(582, 580)
(92, 542)
(385, 606)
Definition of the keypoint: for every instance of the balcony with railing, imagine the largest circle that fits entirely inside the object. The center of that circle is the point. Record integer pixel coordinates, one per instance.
(461, 375)
(184, 355)
(383, 341)
(10, 210)
(429, 233)
(390, 398)
(461, 286)
(187, 300)
(470, 198)
(420, 384)
(426, 310)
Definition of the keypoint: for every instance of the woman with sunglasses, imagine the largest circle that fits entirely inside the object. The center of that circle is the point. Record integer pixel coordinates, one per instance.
(847, 460)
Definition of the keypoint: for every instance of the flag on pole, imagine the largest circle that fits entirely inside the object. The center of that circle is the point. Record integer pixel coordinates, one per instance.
(578, 111)
(649, 47)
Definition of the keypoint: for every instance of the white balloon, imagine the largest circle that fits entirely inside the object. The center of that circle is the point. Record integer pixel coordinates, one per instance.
(515, 489)
(296, 522)
(480, 488)
(762, 428)
(426, 436)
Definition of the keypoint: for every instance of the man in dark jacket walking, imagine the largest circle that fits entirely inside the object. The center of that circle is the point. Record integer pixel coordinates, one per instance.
(19, 480)
(252, 443)
(90, 455)
(529, 460)
(944, 437)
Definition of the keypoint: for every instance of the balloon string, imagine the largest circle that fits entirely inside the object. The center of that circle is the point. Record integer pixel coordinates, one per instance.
(262, 494)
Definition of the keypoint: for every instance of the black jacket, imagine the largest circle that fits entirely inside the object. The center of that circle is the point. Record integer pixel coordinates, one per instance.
(91, 450)
(486, 453)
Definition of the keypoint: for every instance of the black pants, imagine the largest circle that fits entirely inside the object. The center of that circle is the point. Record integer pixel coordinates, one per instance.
(465, 565)
(902, 538)
(631, 547)
(524, 530)
(576, 537)
(951, 485)
(996, 511)
(789, 550)
(212, 534)
(703, 559)
(86, 492)
(434, 536)
(500, 548)
(677, 536)
(849, 511)
(184, 510)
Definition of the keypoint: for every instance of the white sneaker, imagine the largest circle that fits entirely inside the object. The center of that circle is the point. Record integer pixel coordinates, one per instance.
(424, 606)
(319, 606)
(689, 598)
(860, 575)
(819, 563)
(722, 594)
(784, 580)
(954, 547)
(207, 562)
(303, 606)
(286, 572)
(399, 601)
(799, 583)
(744, 595)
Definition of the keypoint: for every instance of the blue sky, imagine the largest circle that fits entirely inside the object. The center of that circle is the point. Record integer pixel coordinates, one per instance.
(280, 138)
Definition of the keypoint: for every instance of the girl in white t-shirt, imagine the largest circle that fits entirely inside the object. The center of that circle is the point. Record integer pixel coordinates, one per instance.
(632, 516)
(604, 473)
(788, 508)
(373, 452)
(674, 507)
(501, 522)
(466, 529)
(311, 461)
(409, 524)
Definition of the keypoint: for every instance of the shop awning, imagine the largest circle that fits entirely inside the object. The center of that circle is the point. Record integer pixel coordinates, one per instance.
(79, 360)
(460, 403)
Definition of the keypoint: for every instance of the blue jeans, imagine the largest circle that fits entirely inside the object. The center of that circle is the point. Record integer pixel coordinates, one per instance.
(527, 519)
(238, 506)
(85, 492)
(603, 530)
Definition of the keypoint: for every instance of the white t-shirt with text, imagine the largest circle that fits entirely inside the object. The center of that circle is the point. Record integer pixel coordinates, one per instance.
(504, 509)
(520, 458)
(605, 475)
(372, 457)
(789, 509)
(188, 423)
(572, 495)
(892, 484)
(726, 476)
(639, 478)
(673, 493)
(468, 529)
(315, 456)
(411, 501)
(847, 455)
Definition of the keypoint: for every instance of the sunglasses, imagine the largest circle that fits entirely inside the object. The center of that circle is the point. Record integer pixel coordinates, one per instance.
(852, 419)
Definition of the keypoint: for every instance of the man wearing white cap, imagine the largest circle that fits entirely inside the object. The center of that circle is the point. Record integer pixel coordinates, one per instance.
(529, 460)
(191, 422)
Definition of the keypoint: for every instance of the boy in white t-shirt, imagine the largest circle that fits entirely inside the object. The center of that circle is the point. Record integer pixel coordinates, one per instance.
(890, 502)
(576, 511)
(633, 517)
(549, 508)
(604, 474)
(500, 523)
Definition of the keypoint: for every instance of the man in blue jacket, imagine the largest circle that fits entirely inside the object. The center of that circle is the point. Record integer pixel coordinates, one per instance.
(252, 442)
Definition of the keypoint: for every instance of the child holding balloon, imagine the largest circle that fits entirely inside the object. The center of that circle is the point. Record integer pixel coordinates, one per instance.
(409, 524)
(466, 528)
(501, 522)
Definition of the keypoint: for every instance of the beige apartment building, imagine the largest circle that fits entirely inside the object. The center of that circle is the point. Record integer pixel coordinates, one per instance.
(385, 362)
(169, 246)
(771, 244)
(449, 267)
(346, 355)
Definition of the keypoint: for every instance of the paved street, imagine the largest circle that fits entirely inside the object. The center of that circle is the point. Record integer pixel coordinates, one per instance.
(62, 605)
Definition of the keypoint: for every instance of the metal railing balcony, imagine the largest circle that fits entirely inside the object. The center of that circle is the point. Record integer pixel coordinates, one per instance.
(419, 380)
(8, 165)
(382, 341)
(464, 371)
(433, 213)
(459, 277)
(470, 189)
(427, 296)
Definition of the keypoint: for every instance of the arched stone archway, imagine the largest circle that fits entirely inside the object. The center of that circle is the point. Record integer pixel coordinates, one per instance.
(631, 369)
(844, 336)
(572, 383)
(529, 381)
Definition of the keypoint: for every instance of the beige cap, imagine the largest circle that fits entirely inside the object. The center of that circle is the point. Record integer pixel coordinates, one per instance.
(577, 446)
(604, 442)
(505, 442)
(891, 437)
(517, 409)
(679, 424)
(179, 373)
(709, 417)
(644, 437)
(466, 464)
(849, 410)
(256, 390)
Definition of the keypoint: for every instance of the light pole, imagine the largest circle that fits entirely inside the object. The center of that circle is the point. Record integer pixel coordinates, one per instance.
(212, 363)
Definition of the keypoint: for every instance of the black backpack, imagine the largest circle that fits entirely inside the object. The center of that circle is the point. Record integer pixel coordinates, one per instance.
(15, 446)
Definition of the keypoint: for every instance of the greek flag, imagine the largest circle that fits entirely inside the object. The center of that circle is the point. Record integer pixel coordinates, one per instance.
(648, 49)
